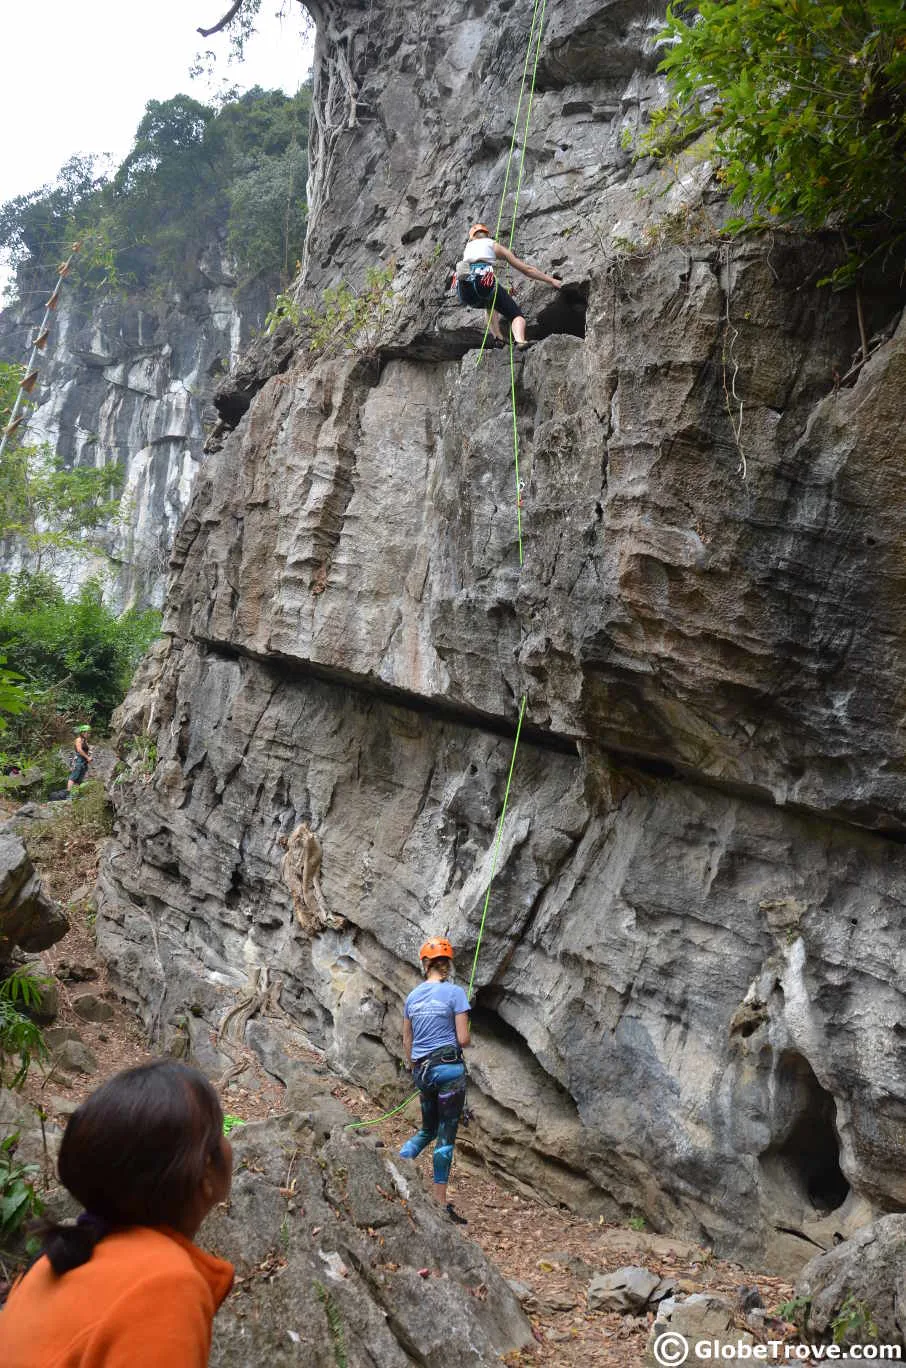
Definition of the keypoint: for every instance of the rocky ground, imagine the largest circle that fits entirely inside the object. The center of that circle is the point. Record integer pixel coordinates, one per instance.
(553, 1259)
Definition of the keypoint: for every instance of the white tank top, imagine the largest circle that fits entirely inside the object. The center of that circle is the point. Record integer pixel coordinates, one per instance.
(480, 249)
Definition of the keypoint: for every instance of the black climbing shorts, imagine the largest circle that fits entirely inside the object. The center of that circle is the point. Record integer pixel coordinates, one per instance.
(505, 304)
(474, 296)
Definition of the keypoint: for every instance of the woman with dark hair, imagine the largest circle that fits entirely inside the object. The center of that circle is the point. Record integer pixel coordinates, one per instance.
(125, 1287)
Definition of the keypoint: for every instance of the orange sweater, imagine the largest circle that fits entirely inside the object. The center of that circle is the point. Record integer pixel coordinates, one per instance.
(145, 1299)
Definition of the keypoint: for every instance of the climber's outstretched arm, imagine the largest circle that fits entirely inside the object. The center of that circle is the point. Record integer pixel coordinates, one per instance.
(531, 271)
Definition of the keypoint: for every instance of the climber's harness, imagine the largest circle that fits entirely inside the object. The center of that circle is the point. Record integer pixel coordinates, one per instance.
(444, 1054)
(475, 283)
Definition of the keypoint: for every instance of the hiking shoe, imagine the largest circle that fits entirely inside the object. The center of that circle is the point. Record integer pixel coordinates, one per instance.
(454, 1215)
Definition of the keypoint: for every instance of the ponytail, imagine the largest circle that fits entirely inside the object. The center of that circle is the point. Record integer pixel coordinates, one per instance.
(68, 1246)
(135, 1153)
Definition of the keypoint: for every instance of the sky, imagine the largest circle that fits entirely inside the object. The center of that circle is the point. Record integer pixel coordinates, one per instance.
(76, 78)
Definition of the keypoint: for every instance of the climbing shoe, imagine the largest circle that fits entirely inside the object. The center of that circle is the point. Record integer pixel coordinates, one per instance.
(454, 1215)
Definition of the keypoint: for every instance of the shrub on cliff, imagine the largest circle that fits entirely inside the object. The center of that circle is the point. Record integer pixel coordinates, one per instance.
(805, 102)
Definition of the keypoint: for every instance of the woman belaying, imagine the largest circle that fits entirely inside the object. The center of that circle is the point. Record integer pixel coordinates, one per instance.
(476, 282)
(435, 1033)
(125, 1285)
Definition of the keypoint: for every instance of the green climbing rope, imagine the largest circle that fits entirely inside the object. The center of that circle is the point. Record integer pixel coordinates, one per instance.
(536, 38)
(509, 160)
(516, 460)
(487, 896)
(360, 1125)
(528, 116)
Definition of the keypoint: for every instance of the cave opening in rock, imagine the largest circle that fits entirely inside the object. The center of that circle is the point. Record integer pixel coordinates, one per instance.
(490, 1026)
(563, 314)
(807, 1156)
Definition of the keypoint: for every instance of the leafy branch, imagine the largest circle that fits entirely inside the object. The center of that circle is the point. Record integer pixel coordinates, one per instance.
(805, 106)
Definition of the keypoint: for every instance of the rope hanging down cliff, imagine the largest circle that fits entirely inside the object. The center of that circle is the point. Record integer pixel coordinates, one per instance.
(534, 37)
(360, 1125)
(537, 20)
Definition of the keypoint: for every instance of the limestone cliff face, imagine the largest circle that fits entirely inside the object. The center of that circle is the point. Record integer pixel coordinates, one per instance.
(689, 994)
(127, 378)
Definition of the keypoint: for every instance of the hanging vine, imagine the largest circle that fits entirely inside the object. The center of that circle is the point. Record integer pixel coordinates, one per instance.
(333, 112)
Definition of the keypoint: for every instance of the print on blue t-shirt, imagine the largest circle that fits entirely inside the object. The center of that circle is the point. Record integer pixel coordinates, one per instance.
(432, 1009)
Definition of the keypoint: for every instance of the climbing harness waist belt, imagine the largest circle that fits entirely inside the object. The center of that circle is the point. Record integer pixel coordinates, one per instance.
(475, 282)
(445, 1054)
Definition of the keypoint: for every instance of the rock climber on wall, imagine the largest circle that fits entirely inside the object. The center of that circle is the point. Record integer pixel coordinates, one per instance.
(435, 1033)
(477, 285)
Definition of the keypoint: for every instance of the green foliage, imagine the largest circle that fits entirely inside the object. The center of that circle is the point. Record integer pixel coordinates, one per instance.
(347, 321)
(334, 1326)
(194, 174)
(230, 1122)
(45, 507)
(19, 1200)
(88, 818)
(41, 225)
(20, 1038)
(854, 1323)
(266, 223)
(796, 1311)
(13, 698)
(806, 104)
(75, 654)
(637, 1223)
(285, 307)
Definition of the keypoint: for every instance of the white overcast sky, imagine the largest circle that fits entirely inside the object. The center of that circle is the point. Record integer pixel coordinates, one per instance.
(76, 76)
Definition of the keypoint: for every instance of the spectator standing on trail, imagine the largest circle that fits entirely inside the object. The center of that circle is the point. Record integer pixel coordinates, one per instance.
(82, 758)
(435, 1033)
(478, 287)
(125, 1286)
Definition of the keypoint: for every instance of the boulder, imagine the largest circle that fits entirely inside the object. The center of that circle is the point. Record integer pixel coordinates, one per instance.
(861, 1280)
(341, 1259)
(71, 971)
(74, 1057)
(628, 1290)
(55, 1036)
(83, 894)
(28, 918)
(92, 1008)
(47, 1007)
(37, 1140)
(701, 1325)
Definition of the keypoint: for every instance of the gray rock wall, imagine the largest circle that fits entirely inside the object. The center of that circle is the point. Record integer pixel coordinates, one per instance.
(127, 378)
(688, 993)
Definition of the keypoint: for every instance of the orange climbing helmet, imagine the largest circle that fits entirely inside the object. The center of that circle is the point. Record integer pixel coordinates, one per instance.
(478, 228)
(436, 948)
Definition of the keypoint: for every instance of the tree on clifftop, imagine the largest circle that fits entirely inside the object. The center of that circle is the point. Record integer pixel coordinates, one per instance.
(195, 175)
(805, 103)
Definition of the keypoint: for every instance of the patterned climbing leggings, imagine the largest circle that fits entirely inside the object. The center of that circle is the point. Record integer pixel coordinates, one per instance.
(443, 1095)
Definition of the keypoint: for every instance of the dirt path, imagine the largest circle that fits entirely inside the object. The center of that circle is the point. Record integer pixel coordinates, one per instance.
(554, 1253)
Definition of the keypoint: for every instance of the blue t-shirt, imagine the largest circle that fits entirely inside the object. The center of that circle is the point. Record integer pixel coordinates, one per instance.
(432, 1009)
